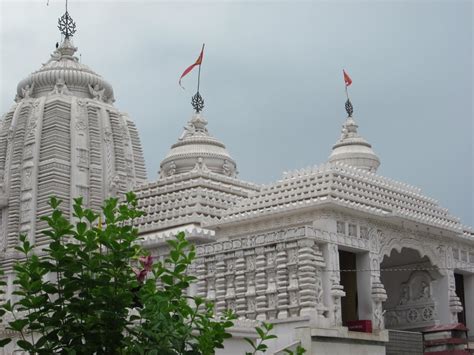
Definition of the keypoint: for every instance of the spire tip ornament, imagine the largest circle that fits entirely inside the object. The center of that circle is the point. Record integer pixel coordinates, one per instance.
(66, 24)
(349, 108)
(197, 102)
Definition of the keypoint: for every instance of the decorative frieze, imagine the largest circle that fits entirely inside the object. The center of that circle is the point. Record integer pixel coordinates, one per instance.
(263, 277)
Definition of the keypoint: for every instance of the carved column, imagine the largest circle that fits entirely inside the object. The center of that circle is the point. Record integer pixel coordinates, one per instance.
(241, 302)
(293, 286)
(211, 280)
(331, 281)
(307, 277)
(201, 284)
(251, 292)
(230, 293)
(320, 265)
(271, 291)
(261, 285)
(448, 302)
(220, 286)
(282, 281)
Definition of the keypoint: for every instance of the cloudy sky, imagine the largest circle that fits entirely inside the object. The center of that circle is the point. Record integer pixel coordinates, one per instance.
(272, 78)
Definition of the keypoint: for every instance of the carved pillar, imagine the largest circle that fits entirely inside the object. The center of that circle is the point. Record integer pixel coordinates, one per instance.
(331, 281)
(271, 291)
(220, 286)
(250, 278)
(307, 277)
(201, 284)
(261, 285)
(293, 286)
(320, 265)
(447, 301)
(282, 281)
(241, 302)
(211, 280)
(455, 305)
(230, 293)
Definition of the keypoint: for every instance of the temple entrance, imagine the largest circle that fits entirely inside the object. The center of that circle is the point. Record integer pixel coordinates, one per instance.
(409, 281)
(349, 303)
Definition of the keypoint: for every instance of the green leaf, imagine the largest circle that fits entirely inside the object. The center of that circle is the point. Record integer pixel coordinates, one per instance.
(260, 332)
(18, 324)
(4, 342)
(25, 345)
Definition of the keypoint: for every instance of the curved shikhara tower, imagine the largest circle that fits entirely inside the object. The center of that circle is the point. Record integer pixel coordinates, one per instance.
(63, 137)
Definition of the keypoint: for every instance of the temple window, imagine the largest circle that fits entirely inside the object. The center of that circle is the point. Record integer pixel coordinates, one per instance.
(341, 227)
(353, 230)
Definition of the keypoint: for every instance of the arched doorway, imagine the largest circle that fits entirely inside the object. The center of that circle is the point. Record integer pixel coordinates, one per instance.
(410, 280)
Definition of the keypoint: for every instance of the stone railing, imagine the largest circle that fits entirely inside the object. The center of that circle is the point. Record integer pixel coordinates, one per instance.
(269, 276)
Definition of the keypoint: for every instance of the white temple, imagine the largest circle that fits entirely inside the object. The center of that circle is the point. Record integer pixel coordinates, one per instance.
(312, 252)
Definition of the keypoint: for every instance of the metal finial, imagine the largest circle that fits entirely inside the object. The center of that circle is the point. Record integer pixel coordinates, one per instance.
(66, 25)
(349, 108)
(198, 102)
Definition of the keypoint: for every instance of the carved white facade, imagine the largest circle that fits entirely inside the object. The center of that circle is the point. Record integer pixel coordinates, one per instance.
(63, 137)
(274, 252)
(278, 252)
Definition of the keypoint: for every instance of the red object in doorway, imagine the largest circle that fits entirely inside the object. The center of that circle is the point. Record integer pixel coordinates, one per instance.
(364, 326)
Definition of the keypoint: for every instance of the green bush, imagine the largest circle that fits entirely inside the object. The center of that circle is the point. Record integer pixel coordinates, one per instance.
(94, 290)
(75, 296)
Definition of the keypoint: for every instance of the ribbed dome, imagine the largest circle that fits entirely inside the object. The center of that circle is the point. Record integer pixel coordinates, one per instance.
(353, 150)
(64, 138)
(64, 72)
(196, 149)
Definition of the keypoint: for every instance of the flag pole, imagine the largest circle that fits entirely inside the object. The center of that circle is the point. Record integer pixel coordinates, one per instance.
(199, 72)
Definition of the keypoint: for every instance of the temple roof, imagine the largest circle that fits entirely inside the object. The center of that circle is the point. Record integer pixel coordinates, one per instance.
(346, 186)
(64, 69)
(352, 149)
(197, 149)
(193, 197)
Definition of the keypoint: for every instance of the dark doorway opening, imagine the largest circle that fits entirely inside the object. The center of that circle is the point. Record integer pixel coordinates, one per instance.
(349, 303)
(459, 284)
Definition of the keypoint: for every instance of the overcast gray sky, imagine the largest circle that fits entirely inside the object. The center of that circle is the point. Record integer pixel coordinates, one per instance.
(272, 78)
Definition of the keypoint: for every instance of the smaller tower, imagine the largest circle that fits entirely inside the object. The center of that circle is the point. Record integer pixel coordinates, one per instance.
(351, 148)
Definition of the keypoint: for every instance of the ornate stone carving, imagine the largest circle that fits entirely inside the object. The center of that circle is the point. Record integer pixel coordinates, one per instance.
(171, 169)
(27, 91)
(96, 92)
(60, 88)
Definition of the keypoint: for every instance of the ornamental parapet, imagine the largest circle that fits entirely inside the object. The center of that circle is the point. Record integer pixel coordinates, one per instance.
(346, 186)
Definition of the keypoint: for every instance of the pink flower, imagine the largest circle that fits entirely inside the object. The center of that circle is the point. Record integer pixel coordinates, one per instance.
(141, 274)
(147, 262)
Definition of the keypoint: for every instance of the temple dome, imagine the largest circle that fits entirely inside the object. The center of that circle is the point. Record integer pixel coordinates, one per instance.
(197, 149)
(63, 68)
(353, 150)
(63, 137)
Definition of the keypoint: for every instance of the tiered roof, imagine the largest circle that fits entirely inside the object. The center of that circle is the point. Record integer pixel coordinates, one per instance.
(194, 197)
(345, 186)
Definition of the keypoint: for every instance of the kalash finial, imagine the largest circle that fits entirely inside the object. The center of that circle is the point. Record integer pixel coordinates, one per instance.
(66, 25)
(196, 101)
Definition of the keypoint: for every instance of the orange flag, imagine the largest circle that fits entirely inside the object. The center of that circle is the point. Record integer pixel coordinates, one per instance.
(191, 67)
(347, 78)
